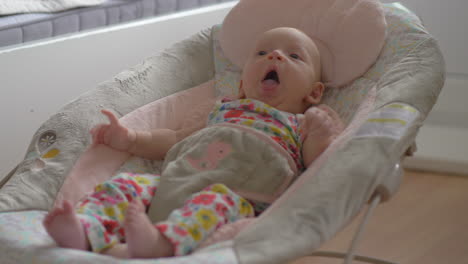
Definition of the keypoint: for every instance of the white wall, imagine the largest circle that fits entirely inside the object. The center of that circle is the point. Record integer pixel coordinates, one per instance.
(36, 80)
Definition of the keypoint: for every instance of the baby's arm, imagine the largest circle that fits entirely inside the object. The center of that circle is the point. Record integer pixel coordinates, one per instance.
(321, 126)
(152, 144)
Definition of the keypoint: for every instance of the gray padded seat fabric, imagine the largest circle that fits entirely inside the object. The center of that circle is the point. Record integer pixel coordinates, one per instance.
(21, 28)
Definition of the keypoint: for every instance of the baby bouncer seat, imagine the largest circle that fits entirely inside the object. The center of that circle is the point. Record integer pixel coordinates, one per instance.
(383, 110)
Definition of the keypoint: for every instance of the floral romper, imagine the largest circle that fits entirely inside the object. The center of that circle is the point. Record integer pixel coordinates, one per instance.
(102, 213)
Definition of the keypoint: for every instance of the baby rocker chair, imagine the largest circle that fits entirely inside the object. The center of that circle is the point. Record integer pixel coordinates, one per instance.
(382, 83)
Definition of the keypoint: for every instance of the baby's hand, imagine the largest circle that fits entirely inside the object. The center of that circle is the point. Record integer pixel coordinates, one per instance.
(321, 123)
(115, 135)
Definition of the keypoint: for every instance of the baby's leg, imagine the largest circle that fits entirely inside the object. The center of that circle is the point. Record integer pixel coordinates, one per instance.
(186, 228)
(99, 217)
(103, 213)
(143, 239)
(63, 225)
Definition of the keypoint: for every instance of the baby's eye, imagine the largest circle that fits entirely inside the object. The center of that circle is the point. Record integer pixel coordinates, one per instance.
(262, 52)
(294, 56)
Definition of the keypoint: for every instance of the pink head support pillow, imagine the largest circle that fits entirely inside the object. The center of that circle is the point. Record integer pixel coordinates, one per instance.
(349, 33)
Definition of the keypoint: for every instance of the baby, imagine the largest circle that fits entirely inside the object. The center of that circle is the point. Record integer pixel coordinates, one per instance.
(250, 151)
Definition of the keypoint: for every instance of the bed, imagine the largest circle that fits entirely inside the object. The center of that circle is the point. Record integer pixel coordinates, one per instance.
(19, 28)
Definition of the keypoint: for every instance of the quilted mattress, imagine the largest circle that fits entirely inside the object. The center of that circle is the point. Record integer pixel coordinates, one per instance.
(17, 29)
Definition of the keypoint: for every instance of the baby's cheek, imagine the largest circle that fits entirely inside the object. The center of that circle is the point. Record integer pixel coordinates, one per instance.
(250, 73)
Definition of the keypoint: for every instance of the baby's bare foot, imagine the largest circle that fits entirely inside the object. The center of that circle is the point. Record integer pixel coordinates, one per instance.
(65, 228)
(143, 239)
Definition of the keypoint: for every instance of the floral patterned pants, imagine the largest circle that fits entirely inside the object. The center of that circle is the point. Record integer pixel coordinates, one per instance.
(102, 212)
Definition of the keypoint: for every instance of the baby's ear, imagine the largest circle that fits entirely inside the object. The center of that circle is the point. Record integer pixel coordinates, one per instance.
(241, 91)
(315, 95)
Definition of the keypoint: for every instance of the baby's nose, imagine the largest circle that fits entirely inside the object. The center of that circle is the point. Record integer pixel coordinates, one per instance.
(275, 55)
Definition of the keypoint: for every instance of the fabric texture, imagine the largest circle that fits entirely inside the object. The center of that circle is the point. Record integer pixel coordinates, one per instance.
(158, 114)
(57, 145)
(349, 33)
(410, 70)
(280, 126)
(202, 214)
(102, 212)
(24, 240)
(228, 155)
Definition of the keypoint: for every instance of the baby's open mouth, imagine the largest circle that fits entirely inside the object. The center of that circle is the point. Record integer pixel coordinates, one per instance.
(270, 82)
(272, 75)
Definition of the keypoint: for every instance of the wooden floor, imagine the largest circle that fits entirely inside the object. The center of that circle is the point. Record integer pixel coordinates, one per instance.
(426, 222)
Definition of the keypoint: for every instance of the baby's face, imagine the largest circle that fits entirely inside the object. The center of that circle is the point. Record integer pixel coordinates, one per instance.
(283, 71)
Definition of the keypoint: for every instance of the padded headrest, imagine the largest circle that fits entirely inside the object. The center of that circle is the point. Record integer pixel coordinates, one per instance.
(349, 33)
